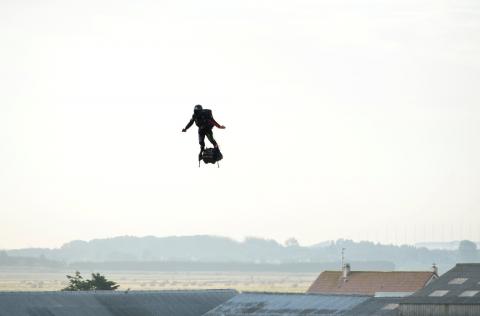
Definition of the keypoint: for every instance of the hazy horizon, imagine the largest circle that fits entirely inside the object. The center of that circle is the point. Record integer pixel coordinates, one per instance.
(430, 244)
(345, 119)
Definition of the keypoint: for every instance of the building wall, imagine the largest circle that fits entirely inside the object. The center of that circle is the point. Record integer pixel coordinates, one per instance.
(438, 310)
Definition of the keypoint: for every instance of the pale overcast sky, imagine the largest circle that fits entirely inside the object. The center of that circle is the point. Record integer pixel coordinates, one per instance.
(345, 119)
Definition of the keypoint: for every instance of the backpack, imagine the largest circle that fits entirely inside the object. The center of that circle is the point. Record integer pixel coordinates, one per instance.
(203, 118)
(211, 155)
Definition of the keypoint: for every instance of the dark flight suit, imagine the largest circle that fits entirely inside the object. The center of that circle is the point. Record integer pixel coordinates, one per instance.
(205, 122)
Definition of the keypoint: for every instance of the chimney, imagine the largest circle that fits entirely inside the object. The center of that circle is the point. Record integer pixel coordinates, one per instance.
(346, 270)
(435, 269)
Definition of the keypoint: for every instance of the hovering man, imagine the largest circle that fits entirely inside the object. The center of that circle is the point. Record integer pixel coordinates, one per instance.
(203, 118)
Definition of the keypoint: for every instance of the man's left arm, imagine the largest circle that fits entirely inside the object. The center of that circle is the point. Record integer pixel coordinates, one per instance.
(216, 124)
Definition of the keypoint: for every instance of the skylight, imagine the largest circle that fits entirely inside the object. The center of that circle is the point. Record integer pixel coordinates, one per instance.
(438, 293)
(390, 307)
(458, 281)
(469, 293)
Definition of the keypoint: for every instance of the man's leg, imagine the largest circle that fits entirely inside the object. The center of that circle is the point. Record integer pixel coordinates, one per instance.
(218, 154)
(209, 134)
(201, 140)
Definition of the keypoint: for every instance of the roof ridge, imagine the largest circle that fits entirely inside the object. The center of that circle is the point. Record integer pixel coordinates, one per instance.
(468, 264)
(304, 294)
(119, 292)
(372, 271)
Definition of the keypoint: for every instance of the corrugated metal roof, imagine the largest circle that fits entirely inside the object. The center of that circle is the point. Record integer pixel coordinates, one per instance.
(269, 304)
(377, 306)
(108, 303)
(370, 282)
(449, 282)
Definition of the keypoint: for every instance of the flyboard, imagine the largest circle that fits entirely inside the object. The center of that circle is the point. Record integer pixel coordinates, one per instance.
(210, 156)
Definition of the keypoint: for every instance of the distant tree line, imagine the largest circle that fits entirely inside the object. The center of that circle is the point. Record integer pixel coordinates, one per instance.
(467, 251)
(172, 266)
(40, 261)
(254, 254)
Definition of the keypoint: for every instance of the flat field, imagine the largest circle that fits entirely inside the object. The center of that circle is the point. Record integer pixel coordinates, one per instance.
(46, 280)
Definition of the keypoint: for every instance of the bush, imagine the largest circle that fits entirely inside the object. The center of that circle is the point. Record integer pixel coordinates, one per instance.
(98, 282)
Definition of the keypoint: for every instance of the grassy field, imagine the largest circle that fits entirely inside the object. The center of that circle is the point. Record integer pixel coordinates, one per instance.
(44, 280)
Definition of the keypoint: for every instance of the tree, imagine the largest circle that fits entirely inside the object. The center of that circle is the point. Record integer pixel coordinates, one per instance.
(98, 282)
(467, 251)
(77, 283)
(3, 257)
(291, 242)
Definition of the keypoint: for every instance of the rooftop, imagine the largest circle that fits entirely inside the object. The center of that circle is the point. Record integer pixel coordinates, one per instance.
(370, 282)
(460, 285)
(286, 304)
(377, 306)
(109, 303)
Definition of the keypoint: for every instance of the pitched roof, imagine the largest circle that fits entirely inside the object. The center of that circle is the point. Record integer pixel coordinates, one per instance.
(370, 282)
(377, 306)
(286, 304)
(108, 303)
(460, 285)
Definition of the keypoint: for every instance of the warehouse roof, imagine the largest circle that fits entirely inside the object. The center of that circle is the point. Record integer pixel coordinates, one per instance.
(376, 306)
(108, 303)
(460, 285)
(370, 282)
(286, 304)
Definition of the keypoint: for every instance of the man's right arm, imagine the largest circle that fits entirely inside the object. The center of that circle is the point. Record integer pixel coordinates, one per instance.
(188, 125)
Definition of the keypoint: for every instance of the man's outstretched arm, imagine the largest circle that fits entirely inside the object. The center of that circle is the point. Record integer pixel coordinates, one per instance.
(188, 125)
(216, 124)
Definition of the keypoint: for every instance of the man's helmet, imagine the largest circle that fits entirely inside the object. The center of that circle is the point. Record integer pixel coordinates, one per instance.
(198, 107)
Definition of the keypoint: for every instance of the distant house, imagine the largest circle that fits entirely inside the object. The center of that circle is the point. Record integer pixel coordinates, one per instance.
(108, 303)
(457, 292)
(390, 283)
